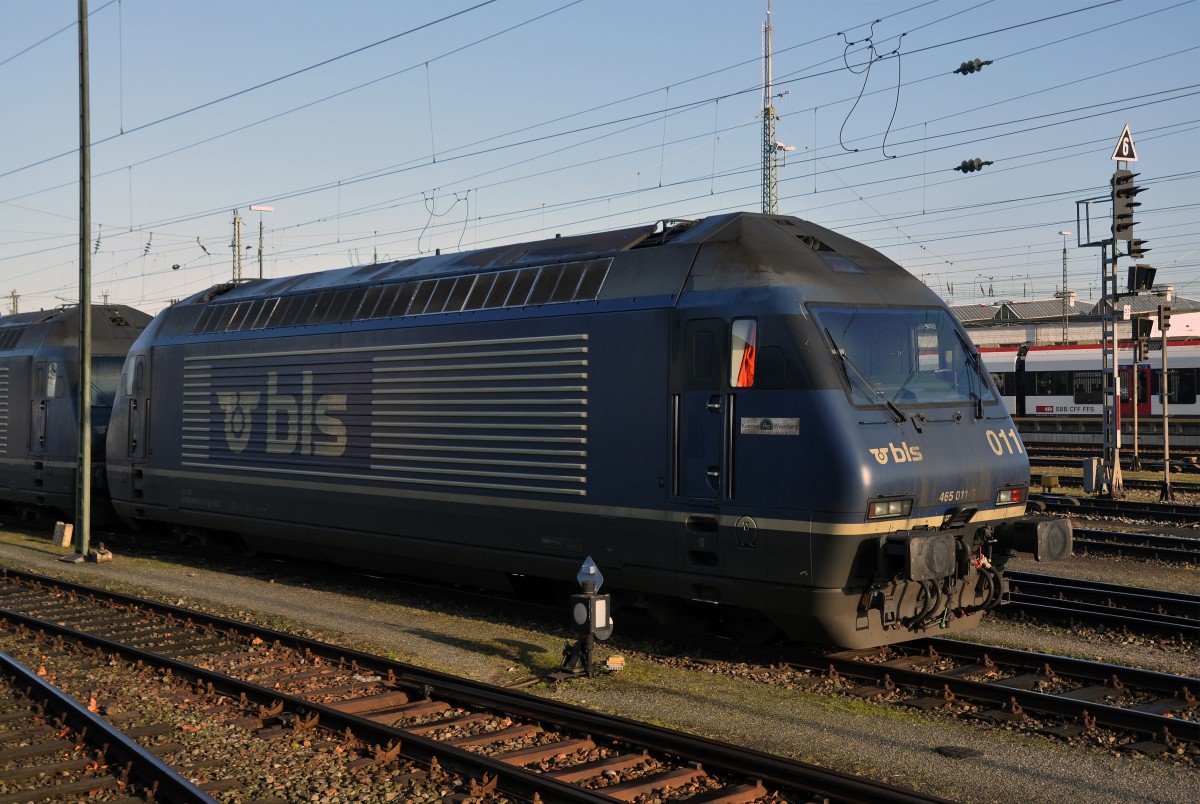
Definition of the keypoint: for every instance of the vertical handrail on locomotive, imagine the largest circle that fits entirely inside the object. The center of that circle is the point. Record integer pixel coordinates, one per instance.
(937, 559)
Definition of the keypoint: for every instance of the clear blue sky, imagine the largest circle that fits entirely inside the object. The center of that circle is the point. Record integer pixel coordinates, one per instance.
(379, 127)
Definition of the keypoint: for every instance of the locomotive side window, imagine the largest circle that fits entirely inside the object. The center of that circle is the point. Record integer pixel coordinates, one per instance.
(499, 293)
(479, 293)
(743, 349)
(901, 355)
(52, 379)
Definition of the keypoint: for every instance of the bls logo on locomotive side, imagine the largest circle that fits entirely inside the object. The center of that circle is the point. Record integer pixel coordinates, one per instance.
(294, 425)
(901, 454)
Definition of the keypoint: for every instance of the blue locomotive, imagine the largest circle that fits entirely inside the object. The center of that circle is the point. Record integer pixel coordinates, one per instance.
(39, 401)
(749, 413)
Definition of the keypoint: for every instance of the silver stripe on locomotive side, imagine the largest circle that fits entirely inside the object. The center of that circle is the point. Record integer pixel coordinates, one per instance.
(849, 529)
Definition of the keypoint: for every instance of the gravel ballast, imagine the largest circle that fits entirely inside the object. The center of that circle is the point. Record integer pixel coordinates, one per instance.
(877, 740)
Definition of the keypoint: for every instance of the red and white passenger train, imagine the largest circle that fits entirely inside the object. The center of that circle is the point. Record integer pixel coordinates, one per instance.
(1055, 393)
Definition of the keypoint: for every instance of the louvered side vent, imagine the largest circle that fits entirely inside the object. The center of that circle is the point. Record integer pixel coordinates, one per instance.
(4, 410)
(473, 417)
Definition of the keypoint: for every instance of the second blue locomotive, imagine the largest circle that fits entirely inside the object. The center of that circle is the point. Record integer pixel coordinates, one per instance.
(748, 412)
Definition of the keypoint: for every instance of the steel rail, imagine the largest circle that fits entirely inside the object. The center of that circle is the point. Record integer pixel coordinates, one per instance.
(720, 756)
(997, 693)
(157, 775)
(1167, 612)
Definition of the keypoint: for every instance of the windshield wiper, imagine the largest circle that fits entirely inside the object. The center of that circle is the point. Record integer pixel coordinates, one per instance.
(978, 384)
(848, 365)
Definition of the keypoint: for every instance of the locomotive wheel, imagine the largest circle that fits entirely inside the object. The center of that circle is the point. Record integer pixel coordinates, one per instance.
(749, 626)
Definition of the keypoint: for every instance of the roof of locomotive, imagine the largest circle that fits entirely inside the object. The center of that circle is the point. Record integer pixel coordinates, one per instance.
(644, 267)
(30, 330)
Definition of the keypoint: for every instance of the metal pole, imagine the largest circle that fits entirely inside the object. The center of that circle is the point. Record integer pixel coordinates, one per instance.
(1066, 338)
(260, 233)
(1165, 396)
(237, 247)
(83, 496)
(770, 156)
(1135, 465)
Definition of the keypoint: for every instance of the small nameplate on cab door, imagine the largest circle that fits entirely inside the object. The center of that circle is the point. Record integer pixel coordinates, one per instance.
(770, 426)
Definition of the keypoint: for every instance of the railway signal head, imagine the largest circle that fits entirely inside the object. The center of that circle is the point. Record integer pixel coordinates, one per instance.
(1164, 319)
(1123, 193)
(1141, 277)
(1137, 248)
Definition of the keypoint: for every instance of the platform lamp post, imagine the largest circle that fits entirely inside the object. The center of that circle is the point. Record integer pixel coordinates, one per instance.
(260, 209)
(1065, 234)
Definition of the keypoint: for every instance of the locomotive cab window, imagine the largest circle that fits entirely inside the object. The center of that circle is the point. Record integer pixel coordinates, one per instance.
(903, 356)
(743, 349)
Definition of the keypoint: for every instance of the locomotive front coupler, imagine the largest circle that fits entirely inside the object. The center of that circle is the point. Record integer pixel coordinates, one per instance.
(1047, 537)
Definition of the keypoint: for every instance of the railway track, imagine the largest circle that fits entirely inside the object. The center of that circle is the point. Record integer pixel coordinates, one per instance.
(55, 748)
(1175, 513)
(515, 744)
(1136, 609)
(1155, 712)
(1164, 547)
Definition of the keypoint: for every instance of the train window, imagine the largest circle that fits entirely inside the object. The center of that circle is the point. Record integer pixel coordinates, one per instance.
(347, 302)
(1006, 382)
(592, 280)
(420, 298)
(903, 355)
(329, 306)
(1051, 383)
(458, 294)
(521, 286)
(1181, 388)
(264, 314)
(220, 321)
(52, 382)
(479, 291)
(234, 321)
(106, 378)
(439, 296)
(395, 300)
(370, 301)
(703, 354)
(1087, 387)
(543, 289)
(498, 296)
(405, 303)
(252, 312)
(743, 346)
(291, 310)
(202, 322)
(567, 283)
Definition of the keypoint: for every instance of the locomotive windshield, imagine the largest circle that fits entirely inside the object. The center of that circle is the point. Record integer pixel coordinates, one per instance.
(106, 375)
(903, 356)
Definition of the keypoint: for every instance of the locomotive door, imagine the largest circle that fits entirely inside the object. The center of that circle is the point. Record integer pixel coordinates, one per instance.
(45, 385)
(1143, 391)
(139, 412)
(703, 413)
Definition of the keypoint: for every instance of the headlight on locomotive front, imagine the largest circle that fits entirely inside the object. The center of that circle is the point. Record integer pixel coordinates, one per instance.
(889, 509)
(1011, 496)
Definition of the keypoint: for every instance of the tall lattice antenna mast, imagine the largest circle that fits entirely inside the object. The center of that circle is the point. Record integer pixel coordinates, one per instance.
(770, 154)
